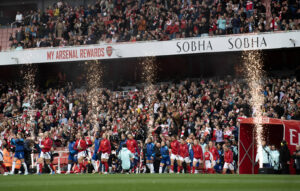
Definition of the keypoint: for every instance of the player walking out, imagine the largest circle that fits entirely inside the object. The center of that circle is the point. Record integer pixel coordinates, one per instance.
(228, 159)
(184, 156)
(105, 149)
(80, 146)
(165, 157)
(132, 146)
(174, 152)
(208, 161)
(95, 154)
(198, 154)
(150, 154)
(214, 151)
(72, 152)
(46, 146)
(18, 142)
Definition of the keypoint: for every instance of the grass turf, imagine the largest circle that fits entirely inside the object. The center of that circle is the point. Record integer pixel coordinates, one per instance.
(145, 182)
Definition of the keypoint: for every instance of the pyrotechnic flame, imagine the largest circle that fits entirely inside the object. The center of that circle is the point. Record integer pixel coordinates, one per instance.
(149, 76)
(94, 78)
(254, 75)
(28, 73)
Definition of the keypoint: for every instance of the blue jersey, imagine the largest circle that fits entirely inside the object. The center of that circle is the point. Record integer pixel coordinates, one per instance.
(150, 149)
(19, 144)
(191, 152)
(164, 151)
(97, 145)
(121, 145)
(71, 148)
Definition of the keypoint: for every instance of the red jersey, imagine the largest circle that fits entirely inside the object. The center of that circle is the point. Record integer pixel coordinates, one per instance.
(208, 156)
(47, 143)
(228, 156)
(214, 135)
(214, 152)
(88, 141)
(132, 145)
(184, 150)
(82, 144)
(175, 147)
(198, 154)
(249, 5)
(105, 146)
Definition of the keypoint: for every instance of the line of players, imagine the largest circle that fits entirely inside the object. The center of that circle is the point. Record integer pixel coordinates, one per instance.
(44, 145)
(80, 148)
(183, 151)
(188, 152)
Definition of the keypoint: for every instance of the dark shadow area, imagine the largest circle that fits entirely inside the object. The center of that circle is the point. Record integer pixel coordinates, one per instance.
(123, 72)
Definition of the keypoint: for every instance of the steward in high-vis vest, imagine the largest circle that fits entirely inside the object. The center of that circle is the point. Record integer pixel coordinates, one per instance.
(7, 160)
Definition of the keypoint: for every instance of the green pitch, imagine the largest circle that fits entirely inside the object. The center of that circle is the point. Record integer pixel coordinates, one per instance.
(145, 182)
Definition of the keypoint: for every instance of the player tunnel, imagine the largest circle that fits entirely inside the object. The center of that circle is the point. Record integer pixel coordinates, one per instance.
(274, 131)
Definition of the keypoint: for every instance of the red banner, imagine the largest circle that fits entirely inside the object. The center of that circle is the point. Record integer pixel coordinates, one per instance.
(292, 137)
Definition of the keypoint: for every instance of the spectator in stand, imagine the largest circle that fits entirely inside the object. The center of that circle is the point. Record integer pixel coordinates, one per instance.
(19, 19)
(219, 135)
(236, 24)
(249, 8)
(197, 109)
(112, 21)
(19, 47)
(221, 25)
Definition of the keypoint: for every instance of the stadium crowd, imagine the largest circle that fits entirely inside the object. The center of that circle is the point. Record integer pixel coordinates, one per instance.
(194, 122)
(128, 21)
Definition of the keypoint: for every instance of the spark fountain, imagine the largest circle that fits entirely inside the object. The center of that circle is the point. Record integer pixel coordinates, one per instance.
(149, 75)
(28, 73)
(254, 74)
(94, 79)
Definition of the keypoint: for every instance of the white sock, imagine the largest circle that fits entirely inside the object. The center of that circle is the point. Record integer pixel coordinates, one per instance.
(13, 167)
(69, 167)
(50, 168)
(151, 168)
(38, 168)
(148, 165)
(97, 166)
(94, 165)
(102, 168)
(25, 167)
(160, 169)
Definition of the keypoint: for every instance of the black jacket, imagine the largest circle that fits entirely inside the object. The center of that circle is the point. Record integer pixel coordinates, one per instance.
(285, 155)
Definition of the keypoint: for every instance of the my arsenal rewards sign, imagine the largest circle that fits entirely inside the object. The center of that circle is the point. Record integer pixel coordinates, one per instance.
(109, 50)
